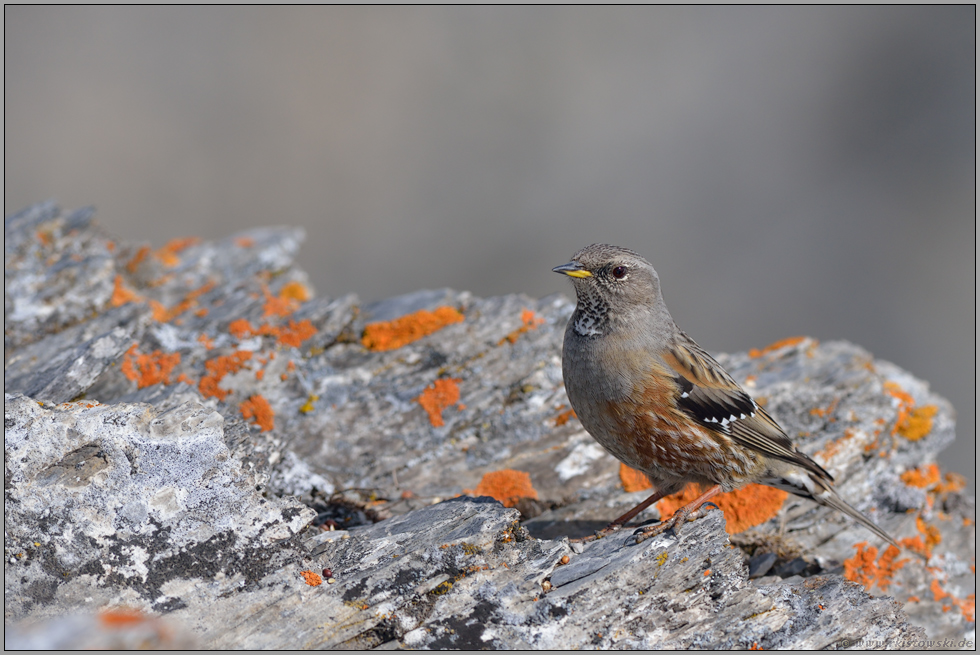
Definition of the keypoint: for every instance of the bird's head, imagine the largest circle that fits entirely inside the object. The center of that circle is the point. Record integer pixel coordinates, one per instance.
(611, 284)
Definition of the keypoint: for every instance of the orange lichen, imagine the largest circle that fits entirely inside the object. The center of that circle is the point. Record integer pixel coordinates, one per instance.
(918, 423)
(389, 335)
(968, 607)
(563, 418)
(531, 322)
(217, 368)
(791, 341)
(276, 306)
(205, 341)
(951, 482)
(295, 291)
(168, 254)
(894, 390)
(293, 334)
(914, 544)
(632, 479)
(922, 477)
(508, 486)
(287, 302)
(160, 312)
(160, 281)
(152, 369)
(826, 411)
(743, 508)
(863, 569)
(202, 312)
(912, 422)
(258, 408)
(443, 393)
(244, 242)
(133, 265)
(165, 315)
(931, 534)
(121, 295)
(311, 578)
(119, 617)
(240, 328)
(259, 374)
(832, 448)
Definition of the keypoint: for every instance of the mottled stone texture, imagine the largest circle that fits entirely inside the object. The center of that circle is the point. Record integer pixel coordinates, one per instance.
(181, 427)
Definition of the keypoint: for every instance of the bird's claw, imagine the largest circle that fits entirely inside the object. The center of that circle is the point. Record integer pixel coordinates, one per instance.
(673, 524)
(599, 534)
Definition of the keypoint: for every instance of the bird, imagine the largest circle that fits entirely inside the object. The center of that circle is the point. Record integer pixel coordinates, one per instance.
(659, 403)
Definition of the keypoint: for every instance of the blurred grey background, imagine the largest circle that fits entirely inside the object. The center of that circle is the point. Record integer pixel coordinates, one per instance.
(787, 170)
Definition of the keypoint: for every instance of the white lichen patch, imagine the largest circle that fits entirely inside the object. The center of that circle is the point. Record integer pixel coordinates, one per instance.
(295, 477)
(579, 460)
(105, 475)
(168, 502)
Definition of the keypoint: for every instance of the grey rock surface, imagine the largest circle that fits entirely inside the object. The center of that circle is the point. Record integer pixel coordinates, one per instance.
(190, 434)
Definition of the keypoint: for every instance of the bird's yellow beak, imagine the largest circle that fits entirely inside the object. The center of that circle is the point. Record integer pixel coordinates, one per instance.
(572, 269)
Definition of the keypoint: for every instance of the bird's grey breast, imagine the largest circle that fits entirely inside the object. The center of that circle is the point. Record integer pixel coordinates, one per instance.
(594, 375)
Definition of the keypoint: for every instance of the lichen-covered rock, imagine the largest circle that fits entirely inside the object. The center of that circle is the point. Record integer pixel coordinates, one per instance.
(123, 503)
(183, 425)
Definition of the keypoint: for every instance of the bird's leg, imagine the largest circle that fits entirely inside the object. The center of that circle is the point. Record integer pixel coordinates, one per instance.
(622, 520)
(689, 512)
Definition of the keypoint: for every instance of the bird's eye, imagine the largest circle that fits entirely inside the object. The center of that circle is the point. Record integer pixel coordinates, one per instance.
(619, 272)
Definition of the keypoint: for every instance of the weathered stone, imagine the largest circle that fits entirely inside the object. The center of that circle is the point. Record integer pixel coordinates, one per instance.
(164, 446)
(125, 504)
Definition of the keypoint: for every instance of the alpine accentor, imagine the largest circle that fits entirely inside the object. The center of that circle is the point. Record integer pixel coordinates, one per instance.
(662, 405)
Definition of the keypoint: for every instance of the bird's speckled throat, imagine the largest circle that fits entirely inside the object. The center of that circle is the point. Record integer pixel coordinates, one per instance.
(591, 317)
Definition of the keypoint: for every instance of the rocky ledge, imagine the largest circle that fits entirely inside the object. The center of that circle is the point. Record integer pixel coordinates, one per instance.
(199, 452)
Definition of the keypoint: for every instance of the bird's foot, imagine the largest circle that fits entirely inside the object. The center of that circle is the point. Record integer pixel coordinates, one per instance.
(674, 523)
(599, 534)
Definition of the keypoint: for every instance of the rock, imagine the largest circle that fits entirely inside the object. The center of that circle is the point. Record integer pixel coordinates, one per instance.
(124, 504)
(108, 630)
(760, 564)
(191, 435)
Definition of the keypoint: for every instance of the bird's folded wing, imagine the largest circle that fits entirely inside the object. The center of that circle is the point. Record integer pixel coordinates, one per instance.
(712, 398)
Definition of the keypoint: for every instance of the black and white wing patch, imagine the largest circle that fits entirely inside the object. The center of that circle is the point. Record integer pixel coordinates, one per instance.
(712, 398)
(718, 409)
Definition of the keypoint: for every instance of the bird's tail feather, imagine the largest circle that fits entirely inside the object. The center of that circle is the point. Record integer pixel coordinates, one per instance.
(829, 498)
(822, 492)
